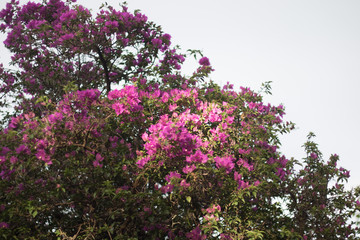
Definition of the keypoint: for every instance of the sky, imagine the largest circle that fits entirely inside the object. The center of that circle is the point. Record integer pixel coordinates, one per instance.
(309, 50)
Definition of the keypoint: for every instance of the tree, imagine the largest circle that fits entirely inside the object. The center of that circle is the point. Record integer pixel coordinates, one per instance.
(111, 141)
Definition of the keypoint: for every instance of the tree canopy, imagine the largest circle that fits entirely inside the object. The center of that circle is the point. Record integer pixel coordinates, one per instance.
(109, 140)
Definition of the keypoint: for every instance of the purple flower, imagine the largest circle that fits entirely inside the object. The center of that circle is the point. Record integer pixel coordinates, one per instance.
(42, 155)
(99, 158)
(13, 159)
(157, 42)
(34, 24)
(281, 173)
(22, 148)
(167, 36)
(5, 150)
(204, 61)
(112, 24)
(4, 225)
(71, 14)
(67, 37)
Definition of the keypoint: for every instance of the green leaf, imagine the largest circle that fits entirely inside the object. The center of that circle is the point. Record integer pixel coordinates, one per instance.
(34, 213)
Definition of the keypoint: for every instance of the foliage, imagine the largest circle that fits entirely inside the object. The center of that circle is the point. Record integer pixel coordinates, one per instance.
(111, 141)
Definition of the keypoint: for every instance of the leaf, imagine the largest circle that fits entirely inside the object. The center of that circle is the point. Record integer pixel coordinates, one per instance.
(34, 213)
(188, 199)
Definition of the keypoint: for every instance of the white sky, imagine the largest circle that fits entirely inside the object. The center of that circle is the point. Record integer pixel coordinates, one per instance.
(309, 49)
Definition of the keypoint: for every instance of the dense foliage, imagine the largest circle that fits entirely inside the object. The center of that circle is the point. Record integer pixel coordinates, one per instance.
(109, 140)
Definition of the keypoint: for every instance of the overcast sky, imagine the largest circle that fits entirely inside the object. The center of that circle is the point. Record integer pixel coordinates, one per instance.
(309, 49)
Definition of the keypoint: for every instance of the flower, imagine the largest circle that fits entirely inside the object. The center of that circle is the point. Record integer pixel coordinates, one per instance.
(189, 169)
(204, 61)
(184, 184)
(114, 94)
(225, 162)
(4, 225)
(97, 161)
(197, 157)
(119, 108)
(172, 175)
(167, 188)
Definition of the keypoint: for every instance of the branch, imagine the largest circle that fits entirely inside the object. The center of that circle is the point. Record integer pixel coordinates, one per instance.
(106, 70)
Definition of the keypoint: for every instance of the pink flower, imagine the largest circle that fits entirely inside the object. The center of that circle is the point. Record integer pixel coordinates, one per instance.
(300, 181)
(143, 81)
(167, 188)
(225, 162)
(97, 161)
(5, 150)
(119, 108)
(172, 107)
(114, 94)
(245, 164)
(197, 157)
(237, 176)
(184, 184)
(172, 175)
(252, 105)
(13, 159)
(147, 209)
(165, 97)
(204, 61)
(22, 148)
(141, 163)
(189, 169)
(42, 155)
(55, 117)
(243, 184)
(214, 115)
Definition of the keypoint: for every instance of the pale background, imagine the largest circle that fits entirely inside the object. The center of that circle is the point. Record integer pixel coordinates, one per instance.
(309, 49)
